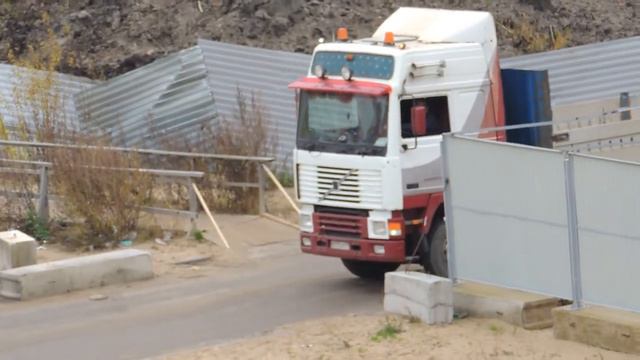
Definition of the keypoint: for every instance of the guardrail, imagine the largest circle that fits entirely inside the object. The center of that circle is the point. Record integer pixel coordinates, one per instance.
(43, 171)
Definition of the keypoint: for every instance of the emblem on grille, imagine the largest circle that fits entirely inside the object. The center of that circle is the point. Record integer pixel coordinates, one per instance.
(335, 185)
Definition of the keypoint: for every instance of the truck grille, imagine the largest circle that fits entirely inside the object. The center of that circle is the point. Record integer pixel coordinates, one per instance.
(333, 186)
(342, 225)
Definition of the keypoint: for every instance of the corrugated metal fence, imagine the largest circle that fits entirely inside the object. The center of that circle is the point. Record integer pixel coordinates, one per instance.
(183, 92)
(162, 104)
(66, 86)
(266, 74)
(589, 72)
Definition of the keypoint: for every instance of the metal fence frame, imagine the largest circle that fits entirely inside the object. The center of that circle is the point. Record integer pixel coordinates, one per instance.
(43, 171)
(573, 238)
(185, 177)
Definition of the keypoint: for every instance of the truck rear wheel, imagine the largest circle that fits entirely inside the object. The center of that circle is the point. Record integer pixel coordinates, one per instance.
(369, 269)
(438, 263)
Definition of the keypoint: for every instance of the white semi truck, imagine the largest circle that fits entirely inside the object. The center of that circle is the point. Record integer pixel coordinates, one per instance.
(370, 117)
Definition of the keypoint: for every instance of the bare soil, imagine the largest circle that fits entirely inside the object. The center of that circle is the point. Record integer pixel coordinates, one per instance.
(354, 337)
(246, 234)
(107, 38)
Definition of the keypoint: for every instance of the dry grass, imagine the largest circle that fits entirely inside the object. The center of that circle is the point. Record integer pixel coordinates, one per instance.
(247, 135)
(527, 36)
(96, 190)
(96, 185)
(244, 134)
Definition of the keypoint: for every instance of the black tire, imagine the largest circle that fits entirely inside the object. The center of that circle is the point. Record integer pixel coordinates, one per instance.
(438, 263)
(369, 269)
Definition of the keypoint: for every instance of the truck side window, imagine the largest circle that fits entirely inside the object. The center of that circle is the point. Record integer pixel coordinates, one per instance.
(437, 115)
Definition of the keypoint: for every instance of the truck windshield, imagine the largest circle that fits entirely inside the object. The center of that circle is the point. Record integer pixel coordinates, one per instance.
(343, 123)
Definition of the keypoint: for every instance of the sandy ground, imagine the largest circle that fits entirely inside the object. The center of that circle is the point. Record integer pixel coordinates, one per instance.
(247, 235)
(354, 337)
(277, 205)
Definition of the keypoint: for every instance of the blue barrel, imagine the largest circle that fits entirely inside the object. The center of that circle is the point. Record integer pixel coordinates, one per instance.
(527, 101)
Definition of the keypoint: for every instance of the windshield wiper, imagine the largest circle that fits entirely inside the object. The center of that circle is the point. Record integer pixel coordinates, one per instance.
(314, 146)
(367, 150)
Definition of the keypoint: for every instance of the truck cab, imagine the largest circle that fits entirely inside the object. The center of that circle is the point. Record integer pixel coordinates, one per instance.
(371, 114)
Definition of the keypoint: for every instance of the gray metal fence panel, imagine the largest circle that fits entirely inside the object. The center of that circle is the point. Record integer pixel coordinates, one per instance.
(168, 101)
(65, 85)
(509, 215)
(588, 72)
(267, 74)
(608, 208)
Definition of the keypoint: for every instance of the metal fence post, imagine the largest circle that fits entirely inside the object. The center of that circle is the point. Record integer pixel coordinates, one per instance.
(262, 206)
(625, 102)
(193, 204)
(43, 195)
(448, 209)
(572, 226)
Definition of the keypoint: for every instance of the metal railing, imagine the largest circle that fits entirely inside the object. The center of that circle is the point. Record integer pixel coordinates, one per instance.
(43, 171)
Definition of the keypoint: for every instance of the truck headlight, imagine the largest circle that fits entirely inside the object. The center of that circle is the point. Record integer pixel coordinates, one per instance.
(306, 222)
(306, 242)
(379, 228)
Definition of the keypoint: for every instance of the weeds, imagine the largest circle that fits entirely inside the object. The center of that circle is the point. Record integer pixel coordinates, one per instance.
(36, 227)
(103, 188)
(198, 235)
(96, 185)
(496, 329)
(532, 40)
(246, 135)
(100, 188)
(390, 330)
(286, 179)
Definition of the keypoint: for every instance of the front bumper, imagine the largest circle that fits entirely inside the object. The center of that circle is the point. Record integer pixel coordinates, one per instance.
(359, 249)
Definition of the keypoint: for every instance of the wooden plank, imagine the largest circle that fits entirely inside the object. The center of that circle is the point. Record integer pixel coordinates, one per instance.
(213, 221)
(280, 221)
(281, 188)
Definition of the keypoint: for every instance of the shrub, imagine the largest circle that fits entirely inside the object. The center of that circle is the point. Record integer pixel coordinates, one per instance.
(100, 187)
(95, 184)
(532, 40)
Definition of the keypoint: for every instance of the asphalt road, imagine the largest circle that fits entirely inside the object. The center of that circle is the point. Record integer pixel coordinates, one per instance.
(166, 315)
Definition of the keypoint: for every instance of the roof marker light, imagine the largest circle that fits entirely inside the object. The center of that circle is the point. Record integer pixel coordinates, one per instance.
(388, 38)
(342, 34)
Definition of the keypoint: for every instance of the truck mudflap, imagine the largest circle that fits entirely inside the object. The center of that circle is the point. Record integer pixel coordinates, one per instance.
(354, 249)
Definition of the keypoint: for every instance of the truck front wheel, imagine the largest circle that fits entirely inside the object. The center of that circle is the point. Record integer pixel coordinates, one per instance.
(438, 250)
(369, 269)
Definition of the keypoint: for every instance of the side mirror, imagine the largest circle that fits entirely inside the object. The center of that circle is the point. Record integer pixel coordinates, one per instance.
(419, 120)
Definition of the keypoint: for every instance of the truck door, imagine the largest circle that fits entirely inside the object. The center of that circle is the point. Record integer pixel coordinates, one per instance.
(421, 158)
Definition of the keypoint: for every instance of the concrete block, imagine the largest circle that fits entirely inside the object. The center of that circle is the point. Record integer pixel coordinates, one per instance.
(78, 273)
(527, 310)
(606, 328)
(16, 249)
(425, 296)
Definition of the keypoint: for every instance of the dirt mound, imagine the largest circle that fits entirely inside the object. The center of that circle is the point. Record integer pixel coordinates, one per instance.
(106, 38)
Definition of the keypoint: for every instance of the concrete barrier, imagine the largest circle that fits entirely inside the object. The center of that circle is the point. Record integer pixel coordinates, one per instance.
(606, 328)
(527, 310)
(75, 274)
(16, 249)
(425, 296)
